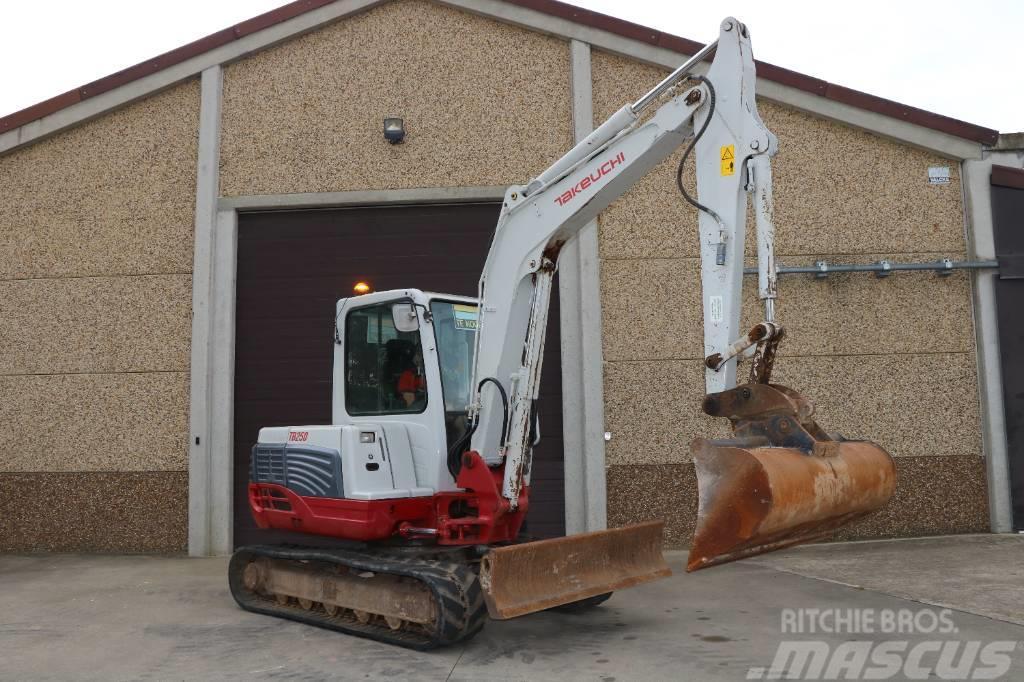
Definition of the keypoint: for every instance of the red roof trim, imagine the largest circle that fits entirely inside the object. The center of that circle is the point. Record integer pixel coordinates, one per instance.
(165, 60)
(554, 8)
(816, 86)
(276, 16)
(44, 108)
(887, 107)
(1007, 176)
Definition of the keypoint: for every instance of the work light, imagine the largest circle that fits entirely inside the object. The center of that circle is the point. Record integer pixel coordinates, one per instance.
(394, 130)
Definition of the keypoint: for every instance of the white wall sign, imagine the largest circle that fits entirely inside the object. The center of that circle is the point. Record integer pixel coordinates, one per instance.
(938, 175)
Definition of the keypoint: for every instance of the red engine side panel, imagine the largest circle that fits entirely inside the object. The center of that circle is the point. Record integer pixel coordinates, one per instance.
(476, 515)
(274, 506)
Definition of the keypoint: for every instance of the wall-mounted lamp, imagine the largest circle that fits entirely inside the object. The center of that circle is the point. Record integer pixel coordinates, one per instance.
(394, 129)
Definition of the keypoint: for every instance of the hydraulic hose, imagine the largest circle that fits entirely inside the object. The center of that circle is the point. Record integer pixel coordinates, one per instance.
(457, 448)
(689, 150)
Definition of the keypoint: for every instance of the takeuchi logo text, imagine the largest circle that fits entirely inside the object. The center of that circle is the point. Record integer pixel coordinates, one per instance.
(604, 169)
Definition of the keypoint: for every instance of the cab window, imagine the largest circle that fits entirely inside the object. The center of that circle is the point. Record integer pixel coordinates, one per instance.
(383, 366)
(455, 328)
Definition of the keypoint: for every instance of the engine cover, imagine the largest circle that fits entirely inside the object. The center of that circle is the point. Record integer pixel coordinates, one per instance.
(308, 470)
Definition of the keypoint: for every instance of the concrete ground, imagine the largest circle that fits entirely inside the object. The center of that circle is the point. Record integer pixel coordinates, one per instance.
(172, 618)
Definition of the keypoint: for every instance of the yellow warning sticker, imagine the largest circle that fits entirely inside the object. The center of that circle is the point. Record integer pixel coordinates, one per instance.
(728, 159)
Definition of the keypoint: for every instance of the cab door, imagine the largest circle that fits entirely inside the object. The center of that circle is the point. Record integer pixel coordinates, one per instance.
(386, 373)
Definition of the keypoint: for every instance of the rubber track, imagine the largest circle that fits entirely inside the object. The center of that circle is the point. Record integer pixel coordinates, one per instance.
(461, 612)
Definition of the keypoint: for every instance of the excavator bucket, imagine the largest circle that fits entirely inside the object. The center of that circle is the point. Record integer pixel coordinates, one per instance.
(780, 480)
(534, 576)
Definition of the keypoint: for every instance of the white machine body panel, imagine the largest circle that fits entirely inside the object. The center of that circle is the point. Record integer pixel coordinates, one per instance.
(369, 471)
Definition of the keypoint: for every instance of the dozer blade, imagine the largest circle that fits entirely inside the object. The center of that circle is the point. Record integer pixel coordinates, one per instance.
(534, 576)
(781, 481)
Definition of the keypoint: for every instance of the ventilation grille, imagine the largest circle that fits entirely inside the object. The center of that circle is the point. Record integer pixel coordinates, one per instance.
(268, 464)
(307, 470)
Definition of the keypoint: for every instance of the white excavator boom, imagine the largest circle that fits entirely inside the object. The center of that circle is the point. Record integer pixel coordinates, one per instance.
(782, 480)
(719, 113)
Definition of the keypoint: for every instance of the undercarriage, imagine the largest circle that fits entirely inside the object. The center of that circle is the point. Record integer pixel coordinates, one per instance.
(425, 596)
(418, 601)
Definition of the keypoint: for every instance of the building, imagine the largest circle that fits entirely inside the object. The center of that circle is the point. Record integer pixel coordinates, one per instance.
(175, 235)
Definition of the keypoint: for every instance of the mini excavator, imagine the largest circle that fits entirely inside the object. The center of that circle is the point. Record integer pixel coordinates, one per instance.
(425, 469)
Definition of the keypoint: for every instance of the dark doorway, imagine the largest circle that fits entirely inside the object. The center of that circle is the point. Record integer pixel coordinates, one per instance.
(1008, 219)
(292, 268)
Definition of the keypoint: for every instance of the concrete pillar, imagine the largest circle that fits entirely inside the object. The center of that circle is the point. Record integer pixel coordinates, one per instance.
(582, 374)
(202, 527)
(981, 242)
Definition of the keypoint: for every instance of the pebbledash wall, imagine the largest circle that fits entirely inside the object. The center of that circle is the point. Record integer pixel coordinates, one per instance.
(96, 234)
(102, 332)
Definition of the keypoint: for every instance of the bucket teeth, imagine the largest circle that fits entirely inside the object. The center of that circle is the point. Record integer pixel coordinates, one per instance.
(781, 481)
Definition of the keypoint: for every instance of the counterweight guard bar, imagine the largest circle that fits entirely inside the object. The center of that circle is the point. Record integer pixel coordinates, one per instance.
(781, 480)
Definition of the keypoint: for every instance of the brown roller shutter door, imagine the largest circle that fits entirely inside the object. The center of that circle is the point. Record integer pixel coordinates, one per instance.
(1008, 221)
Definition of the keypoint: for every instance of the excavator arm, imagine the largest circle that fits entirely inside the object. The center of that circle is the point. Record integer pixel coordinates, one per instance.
(781, 480)
(717, 115)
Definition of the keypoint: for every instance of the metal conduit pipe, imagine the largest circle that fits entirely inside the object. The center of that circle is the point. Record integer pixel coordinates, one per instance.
(822, 269)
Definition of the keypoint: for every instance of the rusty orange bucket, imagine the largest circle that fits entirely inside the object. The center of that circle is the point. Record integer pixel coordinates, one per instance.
(781, 480)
